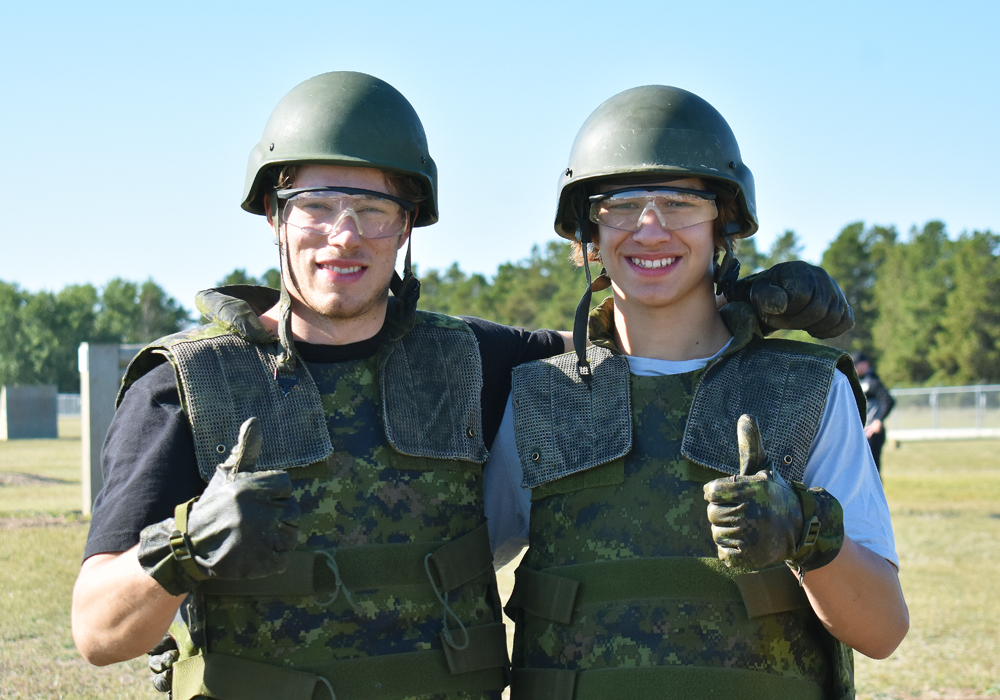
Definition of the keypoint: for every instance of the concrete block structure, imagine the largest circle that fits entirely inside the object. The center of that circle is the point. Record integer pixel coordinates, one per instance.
(28, 412)
(101, 369)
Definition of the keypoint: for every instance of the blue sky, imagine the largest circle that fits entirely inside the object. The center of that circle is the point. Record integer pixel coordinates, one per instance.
(127, 128)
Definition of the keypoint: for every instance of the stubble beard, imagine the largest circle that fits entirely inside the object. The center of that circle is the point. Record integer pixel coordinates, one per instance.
(336, 309)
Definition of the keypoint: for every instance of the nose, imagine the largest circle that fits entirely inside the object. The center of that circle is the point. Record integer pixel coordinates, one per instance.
(652, 224)
(346, 227)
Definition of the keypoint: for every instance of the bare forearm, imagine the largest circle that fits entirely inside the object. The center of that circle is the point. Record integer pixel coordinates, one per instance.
(858, 598)
(118, 611)
(567, 337)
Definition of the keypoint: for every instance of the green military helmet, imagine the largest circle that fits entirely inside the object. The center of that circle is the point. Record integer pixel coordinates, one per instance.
(654, 130)
(344, 118)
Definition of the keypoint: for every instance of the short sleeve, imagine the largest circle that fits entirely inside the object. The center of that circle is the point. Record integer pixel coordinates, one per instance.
(841, 462)
(148, 462)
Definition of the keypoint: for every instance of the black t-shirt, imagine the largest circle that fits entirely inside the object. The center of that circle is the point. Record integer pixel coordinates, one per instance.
(149, 459)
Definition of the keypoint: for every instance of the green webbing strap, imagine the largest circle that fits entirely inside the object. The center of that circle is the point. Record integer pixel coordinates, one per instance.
(543, 684)
(225, 677)
(487, 648)
(657, 682)
(771, 591)
(372, 566)
(543, 594)
(180, 542)
(553, 593)
(463, 559)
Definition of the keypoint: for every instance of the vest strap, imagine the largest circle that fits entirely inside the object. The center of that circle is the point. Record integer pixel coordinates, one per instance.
(371, 566)
(554, 593)
(657, 682)
(478, 668)
(543, 594)
(772, 590)
(487, 648)
(222, 677)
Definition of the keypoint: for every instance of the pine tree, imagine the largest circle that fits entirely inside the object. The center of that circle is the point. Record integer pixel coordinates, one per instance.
(853, 259)
(966, 349)
(910, 294)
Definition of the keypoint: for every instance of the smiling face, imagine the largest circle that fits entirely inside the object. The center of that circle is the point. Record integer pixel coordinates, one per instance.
(656, 266)
(341, 276)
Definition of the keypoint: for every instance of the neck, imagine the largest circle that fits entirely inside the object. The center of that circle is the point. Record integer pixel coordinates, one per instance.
(309, 326)
(689, 329)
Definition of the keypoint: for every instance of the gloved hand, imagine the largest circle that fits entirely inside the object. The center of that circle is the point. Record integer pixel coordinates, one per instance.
(796, 295)
(161, 663)
(242, 526)
(757, 519)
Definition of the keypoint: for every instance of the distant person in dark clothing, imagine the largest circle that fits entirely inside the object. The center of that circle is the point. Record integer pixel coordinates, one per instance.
(880, 403)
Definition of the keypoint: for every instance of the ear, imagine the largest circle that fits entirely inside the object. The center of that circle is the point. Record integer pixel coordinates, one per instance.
(409, 229)
(267, 208)
(402, 240)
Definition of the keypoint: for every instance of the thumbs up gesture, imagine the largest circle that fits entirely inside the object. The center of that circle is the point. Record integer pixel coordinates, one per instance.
(242, 526)
(758, 519)
(755, 520)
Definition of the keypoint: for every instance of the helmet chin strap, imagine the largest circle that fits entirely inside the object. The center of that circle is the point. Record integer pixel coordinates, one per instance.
(284, 373)
(581, 318)
(406, 290)
(728, 271)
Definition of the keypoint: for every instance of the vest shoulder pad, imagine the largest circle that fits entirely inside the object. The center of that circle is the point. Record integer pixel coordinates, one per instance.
(158, 351)
(223, 380)
(564, 425)
(431, 382)
(783, 384)
(436, 320)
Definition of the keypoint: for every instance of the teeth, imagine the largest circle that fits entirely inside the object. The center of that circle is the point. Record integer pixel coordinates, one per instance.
(343, 270)
(652, 264)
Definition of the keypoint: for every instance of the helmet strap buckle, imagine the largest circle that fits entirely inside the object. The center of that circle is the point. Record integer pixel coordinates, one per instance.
(727, 272)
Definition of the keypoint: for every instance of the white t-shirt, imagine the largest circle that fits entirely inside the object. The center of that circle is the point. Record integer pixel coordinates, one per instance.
(840, 461)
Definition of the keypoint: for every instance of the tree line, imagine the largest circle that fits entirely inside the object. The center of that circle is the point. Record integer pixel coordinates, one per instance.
(927, 307)
(41, 332)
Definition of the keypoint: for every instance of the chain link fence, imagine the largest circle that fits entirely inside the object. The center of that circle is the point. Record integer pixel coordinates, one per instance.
(945, 413)
(68, 404)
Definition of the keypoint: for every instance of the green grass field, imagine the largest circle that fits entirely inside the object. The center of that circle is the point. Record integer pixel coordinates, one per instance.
(945, 499)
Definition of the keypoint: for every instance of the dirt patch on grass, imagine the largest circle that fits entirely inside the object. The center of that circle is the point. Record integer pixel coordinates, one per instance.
(22, 479)
(43, 520)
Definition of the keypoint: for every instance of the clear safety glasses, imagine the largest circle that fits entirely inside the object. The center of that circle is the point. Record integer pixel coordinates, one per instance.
(675, 207)
(322, 210)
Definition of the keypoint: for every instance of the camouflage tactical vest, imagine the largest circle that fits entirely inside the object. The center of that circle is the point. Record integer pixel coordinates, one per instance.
(621, 593)
(390, 593)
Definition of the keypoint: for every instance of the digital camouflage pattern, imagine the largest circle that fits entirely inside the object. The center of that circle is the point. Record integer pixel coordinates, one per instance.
(364, 494)
(758, 520)
(656, 510)
(650, 505)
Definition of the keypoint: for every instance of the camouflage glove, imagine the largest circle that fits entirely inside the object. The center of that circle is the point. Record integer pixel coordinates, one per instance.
(161, 663)
(757, 519)
(242, 526)
(796, 295)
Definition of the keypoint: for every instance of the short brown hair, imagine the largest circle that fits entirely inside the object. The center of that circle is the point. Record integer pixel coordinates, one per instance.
(725, 202)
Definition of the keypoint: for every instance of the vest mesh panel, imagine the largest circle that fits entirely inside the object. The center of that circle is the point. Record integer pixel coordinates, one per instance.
(226, 380)
(594, 425)
(432, 408)
(784, 390)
